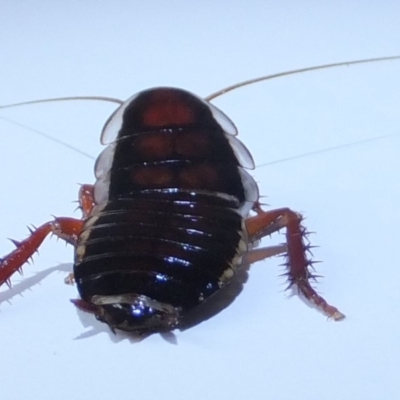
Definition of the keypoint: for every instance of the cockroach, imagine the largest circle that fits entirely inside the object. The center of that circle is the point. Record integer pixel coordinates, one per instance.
(172, 216)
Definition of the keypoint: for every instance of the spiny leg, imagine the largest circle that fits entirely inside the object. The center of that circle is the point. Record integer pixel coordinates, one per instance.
(67, 229)
(267, 222)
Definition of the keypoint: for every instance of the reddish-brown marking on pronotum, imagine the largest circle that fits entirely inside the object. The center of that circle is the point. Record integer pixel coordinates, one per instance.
(167, 107)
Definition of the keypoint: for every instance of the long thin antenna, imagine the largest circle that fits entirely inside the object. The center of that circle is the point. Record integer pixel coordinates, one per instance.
(295, 71)
(329, 149)
(96, 98)
(47, 136)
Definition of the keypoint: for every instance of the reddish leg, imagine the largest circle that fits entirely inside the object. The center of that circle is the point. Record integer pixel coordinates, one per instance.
(65, 228)
(86, 199)
(265, 223)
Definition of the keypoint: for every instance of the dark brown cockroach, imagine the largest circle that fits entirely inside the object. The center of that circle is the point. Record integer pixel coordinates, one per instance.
(172, 216)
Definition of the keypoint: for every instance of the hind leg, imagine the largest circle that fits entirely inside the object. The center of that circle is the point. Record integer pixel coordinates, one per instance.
(298, 273)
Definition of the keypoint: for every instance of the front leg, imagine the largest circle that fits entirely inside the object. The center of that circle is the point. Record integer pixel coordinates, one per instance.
(267, 222)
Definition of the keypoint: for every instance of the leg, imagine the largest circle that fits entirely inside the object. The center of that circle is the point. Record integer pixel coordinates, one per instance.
(86, 199)
(86, 204)
(261, 253)
(64, 228)
(265, 223)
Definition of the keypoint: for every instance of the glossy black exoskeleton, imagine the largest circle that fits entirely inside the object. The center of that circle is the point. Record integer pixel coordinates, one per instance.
(171, 195)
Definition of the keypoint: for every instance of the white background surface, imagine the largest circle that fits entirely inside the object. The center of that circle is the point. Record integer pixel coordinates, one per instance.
(265, 345)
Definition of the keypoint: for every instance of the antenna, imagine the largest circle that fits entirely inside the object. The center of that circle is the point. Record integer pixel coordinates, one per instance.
(55, 99)
(293, 72)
